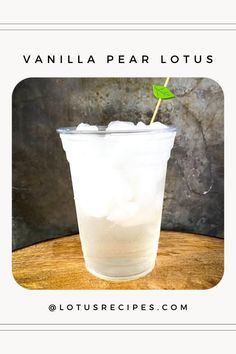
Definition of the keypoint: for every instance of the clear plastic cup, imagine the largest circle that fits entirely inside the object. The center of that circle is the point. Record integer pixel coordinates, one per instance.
(118, 180)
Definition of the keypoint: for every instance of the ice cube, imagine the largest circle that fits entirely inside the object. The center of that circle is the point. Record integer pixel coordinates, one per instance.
(122, 214)
(136, 198)
(158, 125)
(120, 125)
(85, 126)
(141, 125)
(91, 194)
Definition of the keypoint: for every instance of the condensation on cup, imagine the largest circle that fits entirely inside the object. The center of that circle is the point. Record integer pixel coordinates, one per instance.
(118, 176)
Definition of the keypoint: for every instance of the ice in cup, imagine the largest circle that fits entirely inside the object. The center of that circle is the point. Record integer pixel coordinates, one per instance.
(118, 176)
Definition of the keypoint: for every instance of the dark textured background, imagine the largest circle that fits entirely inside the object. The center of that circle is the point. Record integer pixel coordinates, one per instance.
(43, 205)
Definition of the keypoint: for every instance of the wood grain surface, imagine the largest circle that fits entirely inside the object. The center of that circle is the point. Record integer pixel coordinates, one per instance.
(184, 261)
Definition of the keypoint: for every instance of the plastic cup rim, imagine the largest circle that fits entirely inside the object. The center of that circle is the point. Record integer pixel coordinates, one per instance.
(102, 131)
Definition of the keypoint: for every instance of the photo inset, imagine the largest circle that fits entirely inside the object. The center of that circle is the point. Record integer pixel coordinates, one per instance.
(118, 183)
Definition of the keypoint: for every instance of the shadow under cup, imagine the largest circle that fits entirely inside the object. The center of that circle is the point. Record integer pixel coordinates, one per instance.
(118, 180)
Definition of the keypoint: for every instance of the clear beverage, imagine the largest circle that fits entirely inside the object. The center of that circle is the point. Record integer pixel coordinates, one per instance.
(118, 180)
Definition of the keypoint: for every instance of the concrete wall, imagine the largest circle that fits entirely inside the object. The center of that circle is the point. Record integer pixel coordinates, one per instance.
(43, 206)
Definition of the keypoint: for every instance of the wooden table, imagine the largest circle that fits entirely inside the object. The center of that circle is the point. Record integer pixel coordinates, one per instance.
(185, 261)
